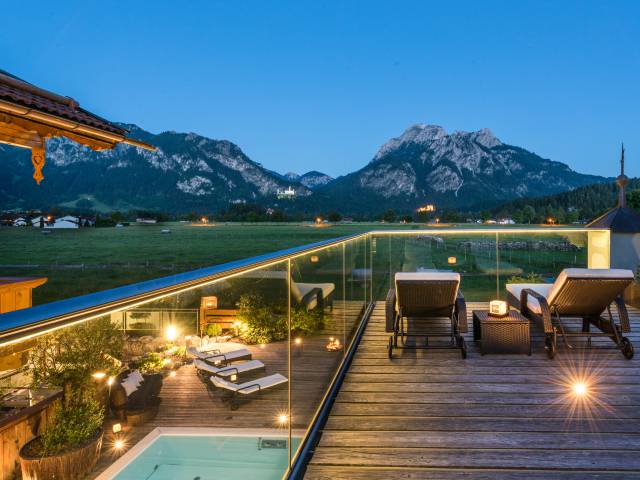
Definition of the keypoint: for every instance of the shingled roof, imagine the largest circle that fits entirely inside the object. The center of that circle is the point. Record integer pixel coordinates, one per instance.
(29, 115)
(618, 220)
(16, 90)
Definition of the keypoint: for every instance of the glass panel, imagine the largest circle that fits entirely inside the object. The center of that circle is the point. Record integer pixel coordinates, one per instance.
(318, 330)
(237, 329)
(472, 254)
(539, 256)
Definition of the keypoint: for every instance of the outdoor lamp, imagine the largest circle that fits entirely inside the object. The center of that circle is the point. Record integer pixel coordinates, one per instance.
(452, 260)
(171, 333)
(498, 308)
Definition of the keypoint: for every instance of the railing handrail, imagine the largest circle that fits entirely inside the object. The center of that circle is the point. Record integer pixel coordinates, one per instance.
(15, 326)
(20, 324)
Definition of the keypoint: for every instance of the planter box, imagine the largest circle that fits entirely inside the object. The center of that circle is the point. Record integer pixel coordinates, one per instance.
(72, 465)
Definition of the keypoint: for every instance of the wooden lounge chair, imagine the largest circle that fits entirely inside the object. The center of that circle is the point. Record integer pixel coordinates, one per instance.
(234, 390)
(577, 293)
(203, 368)
(217, 356)
(426, 297)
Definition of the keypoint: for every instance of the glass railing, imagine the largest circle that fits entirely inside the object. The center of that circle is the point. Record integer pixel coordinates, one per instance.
(237, 362)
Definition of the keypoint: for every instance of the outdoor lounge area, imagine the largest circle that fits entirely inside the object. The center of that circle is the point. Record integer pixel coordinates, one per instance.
(408, 354)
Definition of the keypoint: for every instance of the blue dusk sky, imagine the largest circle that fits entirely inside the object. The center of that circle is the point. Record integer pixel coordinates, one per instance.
(302, 85)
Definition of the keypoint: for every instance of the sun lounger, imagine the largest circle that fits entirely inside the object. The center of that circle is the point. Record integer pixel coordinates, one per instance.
(577, 293)
(234, 390)
(426, 297)
(227, 371)
(218, 357)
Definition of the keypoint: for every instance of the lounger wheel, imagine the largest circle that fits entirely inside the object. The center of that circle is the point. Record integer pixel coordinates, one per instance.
(463, 347)
(627, 348)
(390, 348)
(550, 345)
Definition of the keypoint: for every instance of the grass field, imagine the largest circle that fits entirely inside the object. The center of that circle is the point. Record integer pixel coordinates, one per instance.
(93, 259)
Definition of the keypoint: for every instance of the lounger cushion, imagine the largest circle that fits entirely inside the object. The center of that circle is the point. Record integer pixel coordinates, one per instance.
(543, 289)
(228, 371)
(250, 386)
(130, 385)
(585, 273)
(205, 351)
(431, 275)
(299, 290)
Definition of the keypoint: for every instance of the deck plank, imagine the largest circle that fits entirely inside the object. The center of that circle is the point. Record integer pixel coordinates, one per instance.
(431, 414)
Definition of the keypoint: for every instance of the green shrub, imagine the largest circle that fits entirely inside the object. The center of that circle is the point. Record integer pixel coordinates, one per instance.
(150, 363)
(213, 330)
(260, 322)
(305, 322)
(263, 323)
(529, 278)
(71, 427)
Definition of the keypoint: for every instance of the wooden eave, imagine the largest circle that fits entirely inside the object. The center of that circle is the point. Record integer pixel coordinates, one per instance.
(29, 128)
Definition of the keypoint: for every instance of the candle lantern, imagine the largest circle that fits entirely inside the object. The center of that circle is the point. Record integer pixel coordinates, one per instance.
(498, 308)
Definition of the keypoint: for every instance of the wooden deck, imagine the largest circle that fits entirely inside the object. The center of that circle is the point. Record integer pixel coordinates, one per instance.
(186, 401)
(430, 414)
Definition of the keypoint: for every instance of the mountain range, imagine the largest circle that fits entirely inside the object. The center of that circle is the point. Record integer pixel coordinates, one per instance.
(189, 172)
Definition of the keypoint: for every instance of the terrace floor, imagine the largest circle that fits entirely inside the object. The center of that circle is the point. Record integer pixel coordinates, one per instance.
(186, 401)
(430, 414)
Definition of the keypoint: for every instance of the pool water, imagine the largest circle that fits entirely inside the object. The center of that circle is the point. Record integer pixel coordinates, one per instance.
(189, 457)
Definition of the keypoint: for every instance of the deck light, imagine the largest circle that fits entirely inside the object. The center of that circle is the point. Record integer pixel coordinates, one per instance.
(498, 308)
(580, 389)
(298, 341)
(452, 260)
(118, 444)
(283, 418)
(262, 345)
(233, 377)
(116, 428)
(171, 333)
(172, 373)
(99, 375)
(314, 259)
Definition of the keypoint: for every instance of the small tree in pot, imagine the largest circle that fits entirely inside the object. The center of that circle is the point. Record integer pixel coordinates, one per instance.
(69, 358)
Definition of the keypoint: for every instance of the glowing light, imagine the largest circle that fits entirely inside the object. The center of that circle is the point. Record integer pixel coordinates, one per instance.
(110, 381)
(498, 308)
(116, 428)
(298, 341)
(314, 259)
(283, 418)
(118, 444)
(427, 208)
(204, 220)
(319, 220)
(233, 377)
(166, 361)
(171, 333)
(451, 260)
(262, 345)
(580, 389)
(99, 375)
(172, 373)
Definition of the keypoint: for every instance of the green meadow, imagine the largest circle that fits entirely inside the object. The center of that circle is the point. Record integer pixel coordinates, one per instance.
(87, 260)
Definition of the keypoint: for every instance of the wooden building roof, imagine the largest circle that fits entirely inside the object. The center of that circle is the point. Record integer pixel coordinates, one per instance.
(29, 115)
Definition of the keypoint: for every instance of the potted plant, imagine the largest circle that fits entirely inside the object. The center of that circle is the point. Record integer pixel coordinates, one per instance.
(77, 359)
